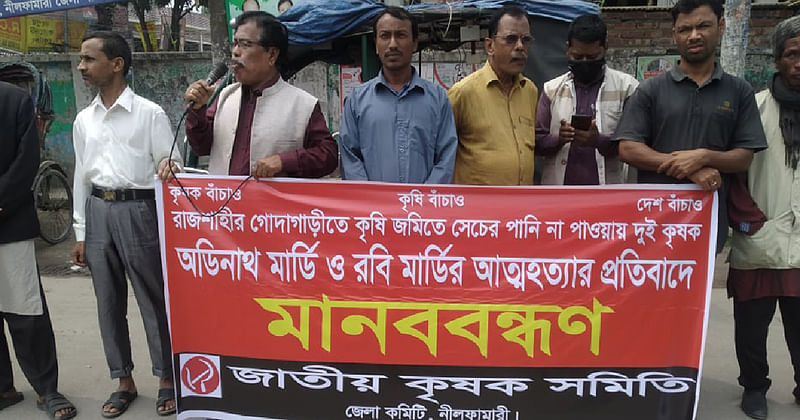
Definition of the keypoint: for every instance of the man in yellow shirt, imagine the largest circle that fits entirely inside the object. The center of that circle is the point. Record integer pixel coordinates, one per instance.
(495, 108)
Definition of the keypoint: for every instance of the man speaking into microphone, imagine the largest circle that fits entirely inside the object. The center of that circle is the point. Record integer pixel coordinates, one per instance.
(261, 125)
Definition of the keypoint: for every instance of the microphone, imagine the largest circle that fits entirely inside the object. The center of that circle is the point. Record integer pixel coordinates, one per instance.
(215, 74)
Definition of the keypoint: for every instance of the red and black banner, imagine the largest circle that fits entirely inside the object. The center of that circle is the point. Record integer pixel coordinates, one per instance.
(322, 300)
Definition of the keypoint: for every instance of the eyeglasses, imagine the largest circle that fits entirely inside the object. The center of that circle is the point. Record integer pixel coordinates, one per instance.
(527, 40)
(244, 43)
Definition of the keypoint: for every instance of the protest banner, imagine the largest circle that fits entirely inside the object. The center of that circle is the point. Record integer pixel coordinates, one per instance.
(338, 300)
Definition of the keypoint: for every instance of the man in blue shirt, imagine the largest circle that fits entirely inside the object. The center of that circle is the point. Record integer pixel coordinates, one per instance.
(398, 127)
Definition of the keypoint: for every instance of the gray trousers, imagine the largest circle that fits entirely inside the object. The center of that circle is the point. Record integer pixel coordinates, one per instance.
(122, 237)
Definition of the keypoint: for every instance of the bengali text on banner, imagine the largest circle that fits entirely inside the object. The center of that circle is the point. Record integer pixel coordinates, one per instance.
(387, 301)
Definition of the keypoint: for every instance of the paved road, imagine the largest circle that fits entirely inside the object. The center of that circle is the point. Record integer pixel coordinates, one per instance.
(84, 376)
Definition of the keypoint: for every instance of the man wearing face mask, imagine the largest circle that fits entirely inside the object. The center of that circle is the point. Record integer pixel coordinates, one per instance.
(582, 154)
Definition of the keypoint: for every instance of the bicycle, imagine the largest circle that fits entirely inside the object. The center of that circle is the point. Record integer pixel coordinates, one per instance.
(53, 196)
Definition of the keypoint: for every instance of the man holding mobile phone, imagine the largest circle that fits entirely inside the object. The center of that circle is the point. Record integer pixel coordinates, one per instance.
(579, 110)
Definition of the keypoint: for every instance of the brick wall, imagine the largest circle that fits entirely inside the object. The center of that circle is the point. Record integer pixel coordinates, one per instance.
(763, 21)
(639, 31)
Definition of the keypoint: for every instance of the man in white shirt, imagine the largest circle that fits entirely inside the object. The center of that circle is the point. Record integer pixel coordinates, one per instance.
(121, 140)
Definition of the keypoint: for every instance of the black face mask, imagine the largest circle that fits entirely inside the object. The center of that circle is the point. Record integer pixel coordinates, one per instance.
(586, 71)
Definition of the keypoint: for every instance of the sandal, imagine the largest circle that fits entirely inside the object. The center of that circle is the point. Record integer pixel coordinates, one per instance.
(119, 400)
(53, 403)
(165, 395)
(6, 402)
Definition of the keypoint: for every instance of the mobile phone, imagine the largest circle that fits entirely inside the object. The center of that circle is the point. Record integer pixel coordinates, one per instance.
(581, 122)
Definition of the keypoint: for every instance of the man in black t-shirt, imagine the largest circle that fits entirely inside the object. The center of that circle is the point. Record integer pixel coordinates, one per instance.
(695, 123)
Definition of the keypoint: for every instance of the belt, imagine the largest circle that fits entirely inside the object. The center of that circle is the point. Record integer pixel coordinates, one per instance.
(123, 195)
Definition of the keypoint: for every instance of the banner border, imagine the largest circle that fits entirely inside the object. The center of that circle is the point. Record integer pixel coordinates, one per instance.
(159, 188)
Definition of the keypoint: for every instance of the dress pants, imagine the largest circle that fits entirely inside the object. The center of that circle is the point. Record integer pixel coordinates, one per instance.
(122, 239)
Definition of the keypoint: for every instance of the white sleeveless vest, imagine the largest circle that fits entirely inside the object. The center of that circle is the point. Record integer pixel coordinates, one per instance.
(616, 87)
(279, 123)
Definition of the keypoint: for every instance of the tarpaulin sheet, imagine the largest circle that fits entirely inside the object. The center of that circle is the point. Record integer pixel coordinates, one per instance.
(317, 21)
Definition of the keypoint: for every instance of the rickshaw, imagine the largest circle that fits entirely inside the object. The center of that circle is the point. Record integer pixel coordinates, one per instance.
(51, 187)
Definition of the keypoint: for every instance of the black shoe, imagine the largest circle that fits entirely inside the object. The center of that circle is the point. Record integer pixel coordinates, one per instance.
(754, 404)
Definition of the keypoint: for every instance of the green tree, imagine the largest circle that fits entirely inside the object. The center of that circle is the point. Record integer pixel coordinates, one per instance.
(141, 7)
(105, 15)
(114, 17)
(179, 8)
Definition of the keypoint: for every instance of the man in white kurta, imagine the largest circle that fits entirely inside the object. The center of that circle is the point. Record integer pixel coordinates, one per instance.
(22, 304)
(764, 207)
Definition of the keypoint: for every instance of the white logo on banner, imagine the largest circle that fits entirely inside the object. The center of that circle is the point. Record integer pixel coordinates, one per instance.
(200, 376)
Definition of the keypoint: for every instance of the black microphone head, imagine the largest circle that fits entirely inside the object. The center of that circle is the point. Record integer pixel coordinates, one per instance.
(218, 71)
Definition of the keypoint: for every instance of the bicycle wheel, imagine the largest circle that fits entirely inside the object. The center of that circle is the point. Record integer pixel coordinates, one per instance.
(53, 197)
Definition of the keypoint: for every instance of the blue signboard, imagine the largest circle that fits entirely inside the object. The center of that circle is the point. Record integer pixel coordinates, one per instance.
(10, 8)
